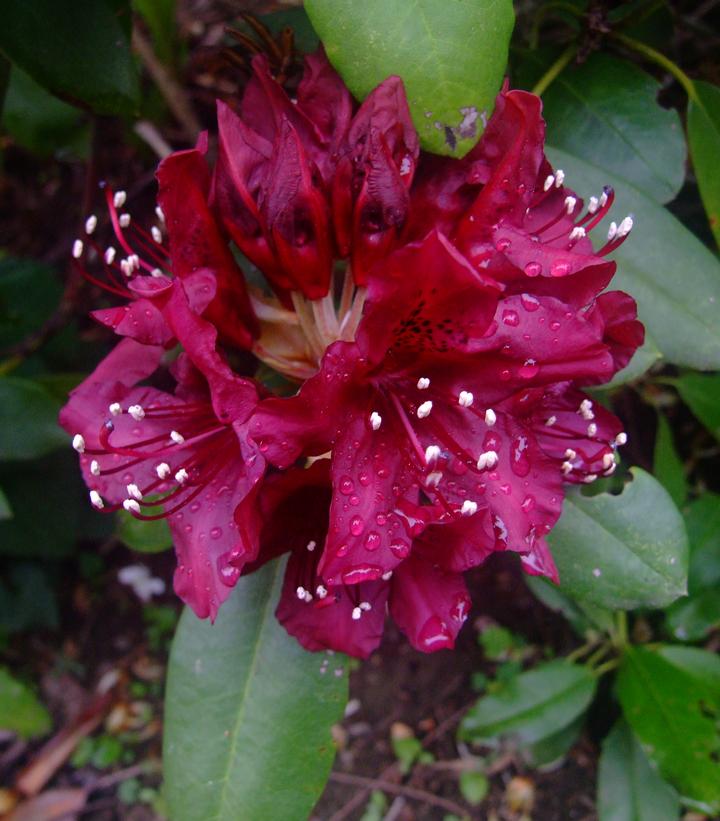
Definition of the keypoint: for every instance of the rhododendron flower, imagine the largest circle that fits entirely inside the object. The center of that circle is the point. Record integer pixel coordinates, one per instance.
(433, 410)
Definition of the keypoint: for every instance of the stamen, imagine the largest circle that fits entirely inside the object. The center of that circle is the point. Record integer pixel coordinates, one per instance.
(124, 220)
(181, 476)
(490, 417)
(78, 443)
(423, 383)
(90, 224)
(465, 399)
(131, 506)
(567, 468)
(365, 606)
(469, 508)
(134, 491)
(424, 409)
(433, 479)
(163, 470)
(488, 459)
(549, 181)
(559, 177)
(570, 454)
(119, 199)
(321, 591)
(585, 410)
(137, 412)
(608, 461)
(156, 234)
(592, 429)
(311, 546)
(95, 467)
(176, 437)
(115, 409)
(156, 272)
(593, 205)
(356, 613)
(386, 576)
(621, 438)
(570, 203)
(96, 500)
(77, 248)
(625, 227)
(375, 420)
(160, 214)
(590, 478)
(578, 232)
(110, 255)
(550, 421)
(432, 454)
(612, 231)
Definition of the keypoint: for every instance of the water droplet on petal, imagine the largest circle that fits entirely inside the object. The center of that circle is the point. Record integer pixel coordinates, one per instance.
(434, 634)
(511, 318)
(559, 269)
(528, 504)
(400, 549)
(346, 485)
(362, 573)
(529, 369)
(529, 302)
(216, 532)
(372, 541)
(356, 525)
(533, 269)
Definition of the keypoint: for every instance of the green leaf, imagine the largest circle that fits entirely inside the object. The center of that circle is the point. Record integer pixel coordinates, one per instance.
(622, 552)
(693, 618)
(474, 786)
(702, 520)
(20, 710)
(146, 537)
(376, 807)
(698, 664)
(668, 467)
(159, 15)
(675, 716)
(629, 787)
(643, 359)
(29, 293)
(40, 122)
(672, 275)
(77, 49)
(553, 748)
(703, 124)
(582, 615)
(5, 509)
(531, 706)
(451, 55)
(28, 420)
(606, 111)
(248, 712)
(701, 393)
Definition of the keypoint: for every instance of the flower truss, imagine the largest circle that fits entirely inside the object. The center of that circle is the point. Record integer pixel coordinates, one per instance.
(431, 323)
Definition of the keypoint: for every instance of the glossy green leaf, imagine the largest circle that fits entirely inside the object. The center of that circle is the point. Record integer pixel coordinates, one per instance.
(699, 664)
(701, 393)
(668, 467)
(622, 552)
(553, 748)
(582, 615)
(702, 520)
(451, 55)
(38, 121)
(703, 124)
(248, 712)
(672, 275)
(629, 787)
(675, 716)
(20, 710)
(531, 706)
(159, 16)
(606, 112)
(78, 49)
(28, 420)
(644, 358)
(29, 293)
(691, 619)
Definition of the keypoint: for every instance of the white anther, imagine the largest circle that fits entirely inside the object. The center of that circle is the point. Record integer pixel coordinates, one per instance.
(126, 267)
(570, 203)
(549, 182)
(365, 606)
(386, 576)
(465, 399)
(405, 166)
(124, 220)
(559, 177)
(134, 260)
(578, 232)
(95, 467)
(181, 476)
(356, 613)
(134, 491)
(160, 214)
(119, 199)
(570, 454)
(375, 420)
(610, 470)
(95, 500)
(77, 248)
(567, 468)
(156, 234)
(585, 410)
(115, 409)
(550, 421)
(300, 592)
(612, 231)
(423, 383)
(163, 470)
(156, 272)
(433, 479)
(90, 224)
(625, 227)
(590, 478)
(592, 429)
(424, 409)
(621, 438)
(593, 205)
(131, 506)
(488, 459)
(321, 591)
(176, 437)
(308, 597)
(603, 199)
(78, 443)
(608, 460)
(311, 546)
(432, 454)
(110, 255)
(137, 412)
(469, 508)
(490, 417)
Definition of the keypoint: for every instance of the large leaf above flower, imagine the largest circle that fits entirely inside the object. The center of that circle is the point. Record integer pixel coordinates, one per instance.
(451, 56)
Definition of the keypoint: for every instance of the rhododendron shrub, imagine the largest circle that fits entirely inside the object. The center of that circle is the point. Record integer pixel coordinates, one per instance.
(436, 323)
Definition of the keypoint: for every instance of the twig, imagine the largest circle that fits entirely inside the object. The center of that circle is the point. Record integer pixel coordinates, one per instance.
(173, 93)
(150, 135)
(399, 789)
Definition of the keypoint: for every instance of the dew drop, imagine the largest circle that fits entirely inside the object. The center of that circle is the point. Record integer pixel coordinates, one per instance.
(528, 504)
(434, 634)
(511, 318)
(559, 269)
(533, 269)
(346, 485)
(362, 573)
(529, 369)
(400, 549)
(356, 525)
(364, 479)
(381, 519)
(529, 302)
(555, 325)
(216, 532)
(342, 550)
